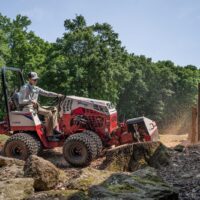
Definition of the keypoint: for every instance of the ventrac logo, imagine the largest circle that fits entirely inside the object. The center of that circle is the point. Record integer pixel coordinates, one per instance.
(27, 115)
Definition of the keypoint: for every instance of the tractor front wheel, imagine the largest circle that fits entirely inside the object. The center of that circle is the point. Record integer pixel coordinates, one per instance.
(79, 150)
(21, 146)
(96, 139)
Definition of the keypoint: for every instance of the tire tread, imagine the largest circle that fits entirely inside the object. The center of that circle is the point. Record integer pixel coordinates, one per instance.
(97, 140)
(88, 142)
(32, 143)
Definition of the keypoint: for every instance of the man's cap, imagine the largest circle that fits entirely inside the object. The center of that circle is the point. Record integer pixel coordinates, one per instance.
(33, 75)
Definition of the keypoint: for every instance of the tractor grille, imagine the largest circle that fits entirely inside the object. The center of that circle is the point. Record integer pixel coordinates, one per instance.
(113, 121)
(95, 121)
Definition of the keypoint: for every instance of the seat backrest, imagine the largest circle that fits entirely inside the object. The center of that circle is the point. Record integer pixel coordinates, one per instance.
(15, 100)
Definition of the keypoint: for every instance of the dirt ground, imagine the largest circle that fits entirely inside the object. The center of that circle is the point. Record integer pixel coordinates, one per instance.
(56, 157)
(171, 140)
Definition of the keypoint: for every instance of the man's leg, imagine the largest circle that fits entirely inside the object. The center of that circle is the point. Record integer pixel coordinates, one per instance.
(49, 120)
(54, 112)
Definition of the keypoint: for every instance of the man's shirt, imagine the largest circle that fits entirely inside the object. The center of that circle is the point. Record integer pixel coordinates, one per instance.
(29, 93)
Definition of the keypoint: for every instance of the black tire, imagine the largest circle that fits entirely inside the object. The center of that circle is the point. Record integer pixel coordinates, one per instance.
(39, 144)
(21, 146)
(97, 140)
(79, 150)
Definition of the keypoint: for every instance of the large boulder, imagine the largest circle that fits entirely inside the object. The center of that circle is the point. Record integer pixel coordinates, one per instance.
(5, 161)
(87, 177)
(59, 195)
(102, 184)
(16, 189)
(142, 184)
(11, 168)
(46, 176)
(131, 157)
(179, 148)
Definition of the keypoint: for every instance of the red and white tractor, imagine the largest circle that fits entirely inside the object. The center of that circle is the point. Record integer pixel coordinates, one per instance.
(87, 125)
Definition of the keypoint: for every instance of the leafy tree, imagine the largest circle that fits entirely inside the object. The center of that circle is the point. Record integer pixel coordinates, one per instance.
(185, 94)
(4, 49)
(147, 91)
(20, 48)
(27, 51)
(88, 61)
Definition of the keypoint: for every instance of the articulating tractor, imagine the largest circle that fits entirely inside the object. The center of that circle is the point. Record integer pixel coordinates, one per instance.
(88, 126)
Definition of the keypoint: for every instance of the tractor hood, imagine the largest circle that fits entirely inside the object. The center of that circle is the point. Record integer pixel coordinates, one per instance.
(74, 102)
(88, 100)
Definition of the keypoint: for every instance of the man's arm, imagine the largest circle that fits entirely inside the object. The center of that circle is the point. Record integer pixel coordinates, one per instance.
(24, 95)
(47, 93)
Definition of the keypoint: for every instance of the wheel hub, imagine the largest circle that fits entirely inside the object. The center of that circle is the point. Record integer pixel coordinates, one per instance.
(76, 151)
(17, 151)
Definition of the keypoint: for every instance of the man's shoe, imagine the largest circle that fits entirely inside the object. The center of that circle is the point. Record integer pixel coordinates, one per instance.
(53, 138)
(56, 132)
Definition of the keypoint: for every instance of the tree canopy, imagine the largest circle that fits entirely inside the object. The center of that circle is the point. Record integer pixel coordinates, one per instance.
(90, 61)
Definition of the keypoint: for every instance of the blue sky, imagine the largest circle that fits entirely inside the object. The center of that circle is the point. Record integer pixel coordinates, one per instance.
(160, 29)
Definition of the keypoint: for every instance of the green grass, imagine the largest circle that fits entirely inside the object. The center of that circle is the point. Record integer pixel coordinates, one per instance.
(3, 138)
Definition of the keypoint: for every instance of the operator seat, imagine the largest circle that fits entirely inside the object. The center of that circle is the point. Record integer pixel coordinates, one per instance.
(15, 101)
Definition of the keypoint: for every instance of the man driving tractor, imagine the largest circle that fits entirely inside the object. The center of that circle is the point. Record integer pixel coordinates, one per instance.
(28, 98)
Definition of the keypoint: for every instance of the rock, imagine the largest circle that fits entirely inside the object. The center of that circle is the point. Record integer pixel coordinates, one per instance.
(198, 176)
(5, 161)
(59, 195)
(188, 175)
(131, 157)
(159, 157)
(179, 148)
(142, 184)
(10, 172)
(10, 168)
(16, 189)
(55, 156)
(45, 174)
(88, 176)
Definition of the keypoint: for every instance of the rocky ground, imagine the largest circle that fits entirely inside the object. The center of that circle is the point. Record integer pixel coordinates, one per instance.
(184, 172)
(163, 175)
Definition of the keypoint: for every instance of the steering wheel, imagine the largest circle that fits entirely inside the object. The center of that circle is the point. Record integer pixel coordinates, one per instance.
(56, 102)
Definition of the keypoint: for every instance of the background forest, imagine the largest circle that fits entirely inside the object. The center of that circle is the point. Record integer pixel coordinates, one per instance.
(90, 61)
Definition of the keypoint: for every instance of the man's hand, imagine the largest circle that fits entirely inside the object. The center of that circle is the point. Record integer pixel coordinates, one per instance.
(34, 103)
(60, 95)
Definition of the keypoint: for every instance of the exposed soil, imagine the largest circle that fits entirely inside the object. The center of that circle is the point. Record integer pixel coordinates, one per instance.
(171, 140)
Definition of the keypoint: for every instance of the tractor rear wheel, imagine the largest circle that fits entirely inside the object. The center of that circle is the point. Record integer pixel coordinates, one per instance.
(21, 146)
(97, 140)
(79, 150)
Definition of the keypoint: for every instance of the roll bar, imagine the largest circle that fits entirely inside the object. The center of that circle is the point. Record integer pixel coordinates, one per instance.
(5, 87)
